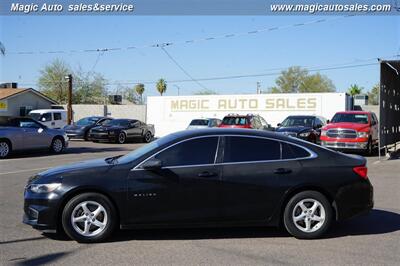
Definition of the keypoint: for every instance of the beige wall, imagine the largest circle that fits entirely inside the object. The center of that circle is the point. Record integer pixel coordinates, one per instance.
(372, 108)
(116, 111)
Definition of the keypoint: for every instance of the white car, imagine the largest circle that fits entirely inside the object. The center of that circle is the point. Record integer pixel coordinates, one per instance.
(52, 118)
(204, 123)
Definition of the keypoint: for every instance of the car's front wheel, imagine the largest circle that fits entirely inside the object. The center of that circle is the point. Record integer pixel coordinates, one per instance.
(147, 137)
(57, 145)
(89, 218)
(121, 139)
(307, 215)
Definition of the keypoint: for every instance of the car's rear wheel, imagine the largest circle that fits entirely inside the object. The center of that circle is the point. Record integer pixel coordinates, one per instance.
(57, 145)
(147, 137)
(89, 217)
(121, 139)
(370, 149)
(86, 136)
(307, 215)
(5, 148)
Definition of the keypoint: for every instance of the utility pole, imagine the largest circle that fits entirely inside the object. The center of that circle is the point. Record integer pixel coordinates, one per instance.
(69, 103)
(177, 88)
(258, 88)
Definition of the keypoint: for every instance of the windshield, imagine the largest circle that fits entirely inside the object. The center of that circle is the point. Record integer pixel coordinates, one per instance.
(35, 116)
(235, 120)
(117, 122)
(87, 121)
(350, 118)
(298, 122)
(199, 122)
(145, 149)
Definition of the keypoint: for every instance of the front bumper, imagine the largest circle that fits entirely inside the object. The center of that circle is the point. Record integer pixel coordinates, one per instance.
(102, 137)
(345, 145)
(75, 135)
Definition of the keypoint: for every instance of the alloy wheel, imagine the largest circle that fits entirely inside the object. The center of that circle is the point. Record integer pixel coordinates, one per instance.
(89, 218)
(121, 138)
(57, 145)
(4, 149)
(147, 137)
(308, 215)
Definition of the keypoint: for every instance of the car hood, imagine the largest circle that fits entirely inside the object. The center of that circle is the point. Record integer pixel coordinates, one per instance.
(80, 166)
(347, 125)
(293, 129)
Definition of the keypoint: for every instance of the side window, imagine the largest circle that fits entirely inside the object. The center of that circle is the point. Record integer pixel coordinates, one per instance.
(28, 124)
(191, 152)
(318, 122)
(292, 151)
(57, 116)
(243, 149)
(46, 117)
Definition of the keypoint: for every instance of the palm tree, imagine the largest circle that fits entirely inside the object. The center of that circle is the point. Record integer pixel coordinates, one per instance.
(139, 88)
(354, 89)
(161, 86)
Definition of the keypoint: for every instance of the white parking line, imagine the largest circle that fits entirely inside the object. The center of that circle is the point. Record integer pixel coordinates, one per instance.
(27, 170)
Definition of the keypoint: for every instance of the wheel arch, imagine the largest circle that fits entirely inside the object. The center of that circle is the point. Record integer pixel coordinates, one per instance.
(79, 191)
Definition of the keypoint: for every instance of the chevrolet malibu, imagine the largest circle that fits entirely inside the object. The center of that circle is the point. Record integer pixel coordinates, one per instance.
(209, 177)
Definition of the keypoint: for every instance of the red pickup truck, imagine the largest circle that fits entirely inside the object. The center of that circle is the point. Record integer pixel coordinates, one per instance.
(351, 130)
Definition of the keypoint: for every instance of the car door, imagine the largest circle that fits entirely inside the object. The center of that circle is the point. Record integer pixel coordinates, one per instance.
(134, 129)
(57, 120)
(184, 190)
(33, 135)
(254, 177)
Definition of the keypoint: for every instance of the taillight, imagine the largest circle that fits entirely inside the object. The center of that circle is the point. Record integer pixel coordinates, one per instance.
(362, 171)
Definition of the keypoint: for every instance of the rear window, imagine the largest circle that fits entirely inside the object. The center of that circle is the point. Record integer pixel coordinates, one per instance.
(235, 120)
(199, 122)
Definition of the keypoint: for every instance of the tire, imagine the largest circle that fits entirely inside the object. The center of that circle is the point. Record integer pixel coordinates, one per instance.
(370, 150)
(301, 221)
(5, 149)
(94, 215)
(147, 137)
(57, 145)
(121, 139)
(86, 136)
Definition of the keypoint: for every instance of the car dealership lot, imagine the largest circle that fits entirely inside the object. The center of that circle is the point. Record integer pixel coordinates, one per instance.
(371, 239)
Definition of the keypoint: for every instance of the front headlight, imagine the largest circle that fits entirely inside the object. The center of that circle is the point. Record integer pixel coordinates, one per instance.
(44, 188)
(362, 134)
(304, 134)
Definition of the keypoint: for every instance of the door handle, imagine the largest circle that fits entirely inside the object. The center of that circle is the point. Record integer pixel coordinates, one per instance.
(282, 171)
(207, 174)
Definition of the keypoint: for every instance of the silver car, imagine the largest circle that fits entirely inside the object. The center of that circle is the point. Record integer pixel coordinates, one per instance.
(204, 123)
(26, 133)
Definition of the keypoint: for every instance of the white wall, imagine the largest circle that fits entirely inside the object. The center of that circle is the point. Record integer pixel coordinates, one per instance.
(173, 113)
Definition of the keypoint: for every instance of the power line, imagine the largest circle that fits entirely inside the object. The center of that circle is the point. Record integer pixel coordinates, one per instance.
(181, 68)
(209, 38)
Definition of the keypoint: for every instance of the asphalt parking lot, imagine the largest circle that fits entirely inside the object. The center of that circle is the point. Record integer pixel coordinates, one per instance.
(371, 239)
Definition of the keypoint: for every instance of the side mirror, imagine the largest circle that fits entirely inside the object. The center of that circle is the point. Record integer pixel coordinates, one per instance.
(373, 123)
(318, 126)
(152, 164)
(279, 124)
(328, 121)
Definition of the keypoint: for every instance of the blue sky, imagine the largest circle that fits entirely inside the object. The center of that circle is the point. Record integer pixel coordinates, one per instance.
(341, 40)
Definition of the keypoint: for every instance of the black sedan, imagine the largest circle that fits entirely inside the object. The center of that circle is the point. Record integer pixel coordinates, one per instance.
(122, 130)
(80, 129)
(209, 177)
(307, 127)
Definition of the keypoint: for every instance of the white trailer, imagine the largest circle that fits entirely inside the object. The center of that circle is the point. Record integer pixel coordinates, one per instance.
(173, 113)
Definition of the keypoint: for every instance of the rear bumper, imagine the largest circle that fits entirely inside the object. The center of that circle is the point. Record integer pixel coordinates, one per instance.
(354, 200)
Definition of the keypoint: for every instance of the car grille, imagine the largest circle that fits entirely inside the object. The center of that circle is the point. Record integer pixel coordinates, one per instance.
(342, 133)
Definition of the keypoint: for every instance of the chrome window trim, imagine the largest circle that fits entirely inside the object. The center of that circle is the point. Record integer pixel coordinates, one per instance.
(313, 155)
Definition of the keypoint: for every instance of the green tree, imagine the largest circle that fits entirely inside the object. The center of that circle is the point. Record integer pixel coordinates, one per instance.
(354, 89)
(128, 93)
(373, 95)
(139, 88)
(52, 81)
(205, 92)
(296, 79)
(161, 86)
(89, 88)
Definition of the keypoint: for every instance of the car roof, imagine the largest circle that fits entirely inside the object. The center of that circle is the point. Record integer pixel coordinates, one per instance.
(354, 112)
(311, 116)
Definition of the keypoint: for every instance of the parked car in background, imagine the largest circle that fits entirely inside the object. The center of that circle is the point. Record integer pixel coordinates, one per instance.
(80, 129)
(25, 134)
(122, 130)
(52, 118)
(245, 121)
(351, 131)
(204, 123)
(307, 127)
(208, 177)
